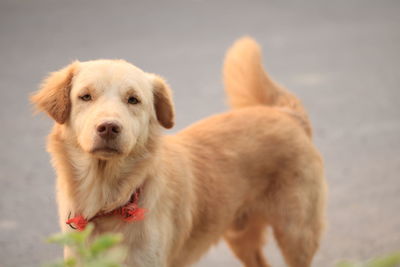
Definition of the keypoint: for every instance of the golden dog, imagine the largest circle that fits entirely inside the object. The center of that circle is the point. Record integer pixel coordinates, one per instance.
(231, 175)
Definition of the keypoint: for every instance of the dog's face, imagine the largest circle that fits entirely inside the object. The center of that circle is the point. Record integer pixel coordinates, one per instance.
(109, 106)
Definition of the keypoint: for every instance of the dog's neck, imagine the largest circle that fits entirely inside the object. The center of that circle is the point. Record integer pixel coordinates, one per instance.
(95, 185)
(104, 184)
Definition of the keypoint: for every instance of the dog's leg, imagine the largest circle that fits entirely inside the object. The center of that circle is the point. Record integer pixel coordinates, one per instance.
(246, 238)
(298, 243)
(299, 223)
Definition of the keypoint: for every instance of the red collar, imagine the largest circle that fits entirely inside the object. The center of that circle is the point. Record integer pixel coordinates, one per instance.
(129, 212)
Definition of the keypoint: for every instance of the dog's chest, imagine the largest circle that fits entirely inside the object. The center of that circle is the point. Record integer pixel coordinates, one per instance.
(98, 186)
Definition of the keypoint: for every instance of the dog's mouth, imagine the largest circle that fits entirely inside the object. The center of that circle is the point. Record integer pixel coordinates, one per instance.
(105, 148)
(109, 150)
(105, 151)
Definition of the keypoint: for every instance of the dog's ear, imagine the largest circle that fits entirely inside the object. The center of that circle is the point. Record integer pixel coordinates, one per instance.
(53, 95)
(163, 104)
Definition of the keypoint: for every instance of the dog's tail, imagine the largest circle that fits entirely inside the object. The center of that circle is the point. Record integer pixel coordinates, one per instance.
(247, 83)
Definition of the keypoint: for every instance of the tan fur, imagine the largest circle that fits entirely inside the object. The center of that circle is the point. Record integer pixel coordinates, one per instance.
(230, 175)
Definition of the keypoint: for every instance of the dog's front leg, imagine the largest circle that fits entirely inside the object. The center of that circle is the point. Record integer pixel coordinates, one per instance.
(147, 245)
(145, 258)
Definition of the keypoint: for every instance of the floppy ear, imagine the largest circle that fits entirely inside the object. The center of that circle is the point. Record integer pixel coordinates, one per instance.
(163, 102)
(53, 96)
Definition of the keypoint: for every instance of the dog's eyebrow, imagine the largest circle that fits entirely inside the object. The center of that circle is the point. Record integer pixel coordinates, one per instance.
(131, 92)
(88, 88)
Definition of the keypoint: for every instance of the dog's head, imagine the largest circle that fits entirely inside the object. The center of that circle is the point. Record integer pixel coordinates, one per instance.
(108, 106)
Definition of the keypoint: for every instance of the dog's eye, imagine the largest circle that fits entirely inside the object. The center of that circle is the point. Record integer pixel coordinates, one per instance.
(133, 100)
(86, 97)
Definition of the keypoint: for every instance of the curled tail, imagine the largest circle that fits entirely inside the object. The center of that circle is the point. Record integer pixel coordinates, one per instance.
(247, 83)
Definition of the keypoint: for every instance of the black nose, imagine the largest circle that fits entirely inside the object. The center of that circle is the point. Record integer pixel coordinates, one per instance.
(108, 130)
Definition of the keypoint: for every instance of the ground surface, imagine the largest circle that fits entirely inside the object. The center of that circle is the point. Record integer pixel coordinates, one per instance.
(341, 57)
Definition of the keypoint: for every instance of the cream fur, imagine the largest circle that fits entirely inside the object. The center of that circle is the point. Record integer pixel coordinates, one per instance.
(228, 176)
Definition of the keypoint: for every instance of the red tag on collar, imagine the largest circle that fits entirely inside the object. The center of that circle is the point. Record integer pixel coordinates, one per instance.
(129, 212)
(79, 223)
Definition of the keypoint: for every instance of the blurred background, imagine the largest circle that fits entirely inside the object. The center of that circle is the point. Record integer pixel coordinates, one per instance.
(340, 57)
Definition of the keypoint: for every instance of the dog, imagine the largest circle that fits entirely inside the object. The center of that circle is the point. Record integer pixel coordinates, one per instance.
(228, 176)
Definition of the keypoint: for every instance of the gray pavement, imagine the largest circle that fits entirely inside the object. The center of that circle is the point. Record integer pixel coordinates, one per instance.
(341, 57)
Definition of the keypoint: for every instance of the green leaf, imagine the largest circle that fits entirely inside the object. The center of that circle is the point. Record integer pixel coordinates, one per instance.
(103, 263)
(71, 238)
(102, 252)
(391, 260)
(347, 264)
(70, 262)
(60, 238)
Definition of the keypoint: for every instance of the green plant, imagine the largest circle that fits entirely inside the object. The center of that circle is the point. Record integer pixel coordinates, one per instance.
(103, 251)
(391, 260)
